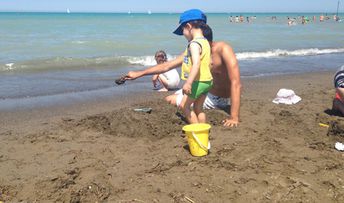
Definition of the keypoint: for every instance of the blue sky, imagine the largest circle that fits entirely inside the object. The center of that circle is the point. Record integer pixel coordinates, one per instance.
(171, 5)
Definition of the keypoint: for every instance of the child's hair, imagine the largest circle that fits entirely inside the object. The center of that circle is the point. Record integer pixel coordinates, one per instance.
(207, 31)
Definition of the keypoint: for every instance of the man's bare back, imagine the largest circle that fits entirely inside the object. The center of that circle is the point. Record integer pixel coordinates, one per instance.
(221, 82)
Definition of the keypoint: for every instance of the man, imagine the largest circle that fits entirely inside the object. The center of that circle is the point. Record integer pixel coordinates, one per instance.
(225, 72)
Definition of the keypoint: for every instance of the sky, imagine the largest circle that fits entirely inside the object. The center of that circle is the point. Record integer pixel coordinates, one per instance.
(172, 5)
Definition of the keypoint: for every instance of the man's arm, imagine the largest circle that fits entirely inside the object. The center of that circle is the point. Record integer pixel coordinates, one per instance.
(232, 68)
(160, 68)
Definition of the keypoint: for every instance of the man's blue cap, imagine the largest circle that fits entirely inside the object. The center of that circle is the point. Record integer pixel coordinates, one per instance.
(187, 16)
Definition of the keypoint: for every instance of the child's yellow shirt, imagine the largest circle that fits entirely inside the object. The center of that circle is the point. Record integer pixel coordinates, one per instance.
(204, 73)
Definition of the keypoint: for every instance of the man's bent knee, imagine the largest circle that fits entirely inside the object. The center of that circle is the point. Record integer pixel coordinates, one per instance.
(171, 99)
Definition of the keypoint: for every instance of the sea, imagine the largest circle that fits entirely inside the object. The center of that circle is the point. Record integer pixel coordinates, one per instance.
(52, 58)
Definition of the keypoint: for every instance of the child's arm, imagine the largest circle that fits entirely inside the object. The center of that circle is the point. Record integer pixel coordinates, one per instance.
(195, 50)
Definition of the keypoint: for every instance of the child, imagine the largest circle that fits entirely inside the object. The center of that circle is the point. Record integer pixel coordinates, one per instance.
(196, 65)
(168, 80)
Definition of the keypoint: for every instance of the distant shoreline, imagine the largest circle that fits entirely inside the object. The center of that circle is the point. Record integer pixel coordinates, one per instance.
(172, 13)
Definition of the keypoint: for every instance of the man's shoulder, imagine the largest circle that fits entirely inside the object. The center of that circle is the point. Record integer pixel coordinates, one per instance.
(221, 45)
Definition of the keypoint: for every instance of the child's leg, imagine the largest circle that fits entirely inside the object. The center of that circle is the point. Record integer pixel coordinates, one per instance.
(185, 106)
(198, 108)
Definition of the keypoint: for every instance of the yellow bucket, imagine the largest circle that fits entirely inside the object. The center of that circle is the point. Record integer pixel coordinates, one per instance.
(198, 138)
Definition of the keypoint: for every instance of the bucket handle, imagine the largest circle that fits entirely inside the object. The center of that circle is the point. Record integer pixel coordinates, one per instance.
(199, 143)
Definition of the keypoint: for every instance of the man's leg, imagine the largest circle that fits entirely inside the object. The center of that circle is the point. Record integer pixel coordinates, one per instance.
(175, 99)
(172, 99)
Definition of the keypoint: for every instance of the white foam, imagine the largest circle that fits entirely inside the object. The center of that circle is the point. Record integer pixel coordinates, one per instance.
(286, 53)
(150, 61)
(142, 60)
(119, 61)
(9, 66)
(146, 60)
(78, 42)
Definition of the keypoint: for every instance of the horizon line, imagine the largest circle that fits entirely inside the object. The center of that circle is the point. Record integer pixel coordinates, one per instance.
(162, 12)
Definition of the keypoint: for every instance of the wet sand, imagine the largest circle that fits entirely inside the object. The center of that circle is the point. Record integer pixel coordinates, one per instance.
(104, 151)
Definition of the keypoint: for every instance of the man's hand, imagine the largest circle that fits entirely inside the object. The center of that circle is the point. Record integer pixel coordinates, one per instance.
(186, 88)
(231, 122)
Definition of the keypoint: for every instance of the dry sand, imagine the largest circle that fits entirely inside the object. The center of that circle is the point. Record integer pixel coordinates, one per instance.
(106, 152)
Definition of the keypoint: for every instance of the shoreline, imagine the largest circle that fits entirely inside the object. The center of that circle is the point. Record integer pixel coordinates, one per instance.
(107, 102)
(104, 151)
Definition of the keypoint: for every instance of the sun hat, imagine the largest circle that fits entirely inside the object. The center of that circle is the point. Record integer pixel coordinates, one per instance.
(286, 96)
(187, 16)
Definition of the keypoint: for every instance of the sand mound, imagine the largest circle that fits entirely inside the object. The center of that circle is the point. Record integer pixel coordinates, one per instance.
(161, 122)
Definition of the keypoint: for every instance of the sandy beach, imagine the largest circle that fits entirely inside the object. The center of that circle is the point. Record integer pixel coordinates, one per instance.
(103, 151)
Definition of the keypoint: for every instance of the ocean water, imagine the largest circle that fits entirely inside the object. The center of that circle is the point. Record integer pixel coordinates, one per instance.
(47, 55)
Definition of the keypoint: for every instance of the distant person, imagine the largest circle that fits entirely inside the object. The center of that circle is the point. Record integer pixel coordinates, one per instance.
(168, 80)
(291, 21)
(337, 19)
(241, 18)
(314, 19)
(226, 80)
(231, 19)
(338, 101)
(321, 18)
(303, 20)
